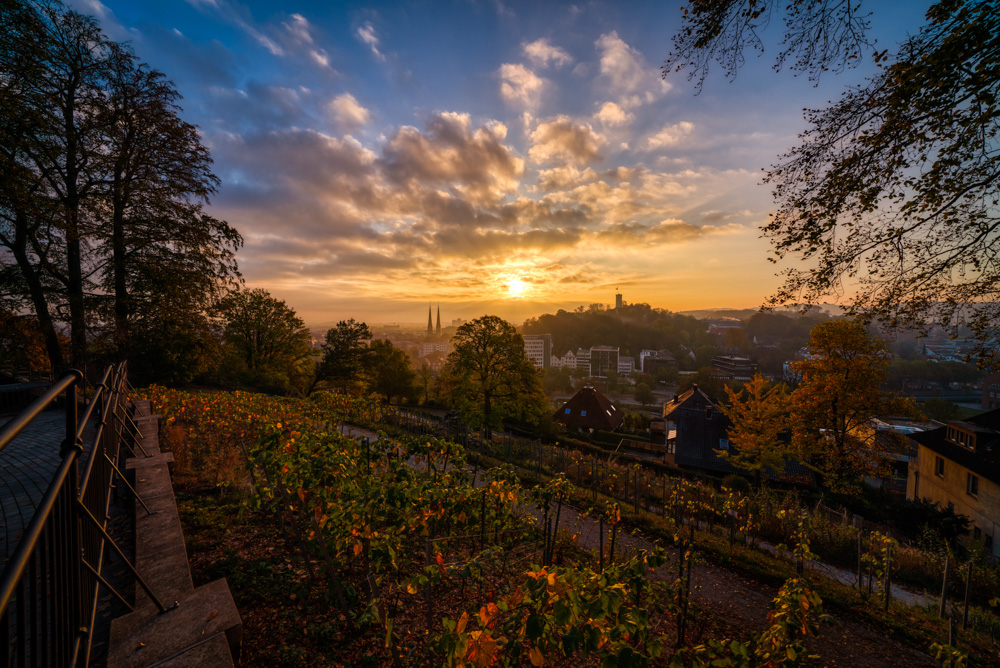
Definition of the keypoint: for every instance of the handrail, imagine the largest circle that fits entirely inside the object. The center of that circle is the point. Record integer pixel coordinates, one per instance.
(49, 587)
(17, 424)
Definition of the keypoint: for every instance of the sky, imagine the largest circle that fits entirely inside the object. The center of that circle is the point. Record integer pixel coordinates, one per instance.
(511, 158)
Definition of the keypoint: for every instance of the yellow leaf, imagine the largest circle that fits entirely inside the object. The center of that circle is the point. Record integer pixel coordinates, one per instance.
(537, 658)
(462, 621)
(411, 589)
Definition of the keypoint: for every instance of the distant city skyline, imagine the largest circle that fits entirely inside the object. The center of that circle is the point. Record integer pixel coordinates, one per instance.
(511, 158)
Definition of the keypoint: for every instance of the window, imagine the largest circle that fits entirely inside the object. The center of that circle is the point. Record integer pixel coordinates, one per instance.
(988, 543)
(972, 485)
(568, 411)
(723, 444)
(939, 466)
(977, 533)
(583, 413)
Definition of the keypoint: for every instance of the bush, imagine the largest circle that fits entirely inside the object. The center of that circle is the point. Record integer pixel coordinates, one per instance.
(737, 483)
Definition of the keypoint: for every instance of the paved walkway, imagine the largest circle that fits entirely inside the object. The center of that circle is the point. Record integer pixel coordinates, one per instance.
(26, 469)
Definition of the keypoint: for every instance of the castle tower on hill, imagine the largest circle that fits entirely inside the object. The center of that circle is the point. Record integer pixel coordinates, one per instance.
(438, 329)
(430, 324)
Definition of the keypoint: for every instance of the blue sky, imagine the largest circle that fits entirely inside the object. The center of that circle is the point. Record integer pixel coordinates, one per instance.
(508, 158)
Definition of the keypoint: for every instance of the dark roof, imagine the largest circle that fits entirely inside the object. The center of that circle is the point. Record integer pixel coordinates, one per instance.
(695, 398)
(589, 409)
(984, 461)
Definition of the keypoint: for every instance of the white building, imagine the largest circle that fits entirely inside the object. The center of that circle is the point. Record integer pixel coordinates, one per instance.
(626, 365)
(538, 348)
(428, 347)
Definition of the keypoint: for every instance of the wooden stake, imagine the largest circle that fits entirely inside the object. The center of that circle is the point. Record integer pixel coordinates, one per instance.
(944, 585)
(968, 586)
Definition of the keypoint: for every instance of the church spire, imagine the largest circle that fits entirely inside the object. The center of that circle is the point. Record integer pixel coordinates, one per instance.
(439, 320)
(430, 324)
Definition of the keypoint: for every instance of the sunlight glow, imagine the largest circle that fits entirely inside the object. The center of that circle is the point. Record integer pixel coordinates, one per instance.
(516, 287)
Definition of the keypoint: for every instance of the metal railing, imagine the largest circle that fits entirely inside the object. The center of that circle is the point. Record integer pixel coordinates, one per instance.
(49, 586)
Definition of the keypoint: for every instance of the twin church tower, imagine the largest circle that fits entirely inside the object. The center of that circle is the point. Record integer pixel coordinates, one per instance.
(430, 329)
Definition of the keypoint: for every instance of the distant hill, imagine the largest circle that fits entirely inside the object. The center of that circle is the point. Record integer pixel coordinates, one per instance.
(744, 313)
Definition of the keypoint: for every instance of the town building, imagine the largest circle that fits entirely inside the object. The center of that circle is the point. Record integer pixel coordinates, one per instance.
(732, 367)
(428, 347)
(651, 361)
(583, 360)
(958, 466)
(538, 348)
(589, 409)
(626, 365)
(567, 361)
(991, 392)
(603, 360)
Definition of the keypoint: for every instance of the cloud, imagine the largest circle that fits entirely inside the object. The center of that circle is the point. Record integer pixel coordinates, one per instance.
(299, 31)
(626, 73)
(613, 115)
(670, 135)
(347, 112)
(559, 178)
(543, 54)
(563, 139)
(519, 86)
(476, 163)
(366, 33)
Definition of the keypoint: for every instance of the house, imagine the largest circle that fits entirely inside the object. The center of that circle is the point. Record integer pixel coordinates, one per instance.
(958, 466)
(589, 409)
(698, 429)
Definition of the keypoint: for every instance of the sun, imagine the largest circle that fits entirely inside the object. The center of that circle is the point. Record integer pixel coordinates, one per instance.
(516, 287)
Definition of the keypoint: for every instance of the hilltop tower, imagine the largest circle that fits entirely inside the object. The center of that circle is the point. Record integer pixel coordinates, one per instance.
(430, 324)
(618, 302)
(438, 329)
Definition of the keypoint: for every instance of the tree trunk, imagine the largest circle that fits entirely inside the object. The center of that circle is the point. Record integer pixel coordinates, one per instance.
(37, 292)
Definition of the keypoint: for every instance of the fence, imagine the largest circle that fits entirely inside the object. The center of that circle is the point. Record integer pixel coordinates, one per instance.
(49, 586)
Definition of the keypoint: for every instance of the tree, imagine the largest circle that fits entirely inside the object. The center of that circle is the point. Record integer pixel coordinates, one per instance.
(157, 176)
(101, 184)
(644, 394)
(343, 354)
(893, 192)
(425, 375)
(488, 378)
(388, 371)
(21, 345)
(264, 334)
(836, 400)
(759, 414)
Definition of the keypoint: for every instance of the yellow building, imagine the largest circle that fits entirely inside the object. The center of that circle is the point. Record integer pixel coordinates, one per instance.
(958, 466)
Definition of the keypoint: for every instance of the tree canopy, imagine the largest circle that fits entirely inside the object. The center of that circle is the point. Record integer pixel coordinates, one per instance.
(837, 397)
(759, 415)
(265, 335)
(102, 185)
(344, 352)
(891, 198)
(488, 377)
